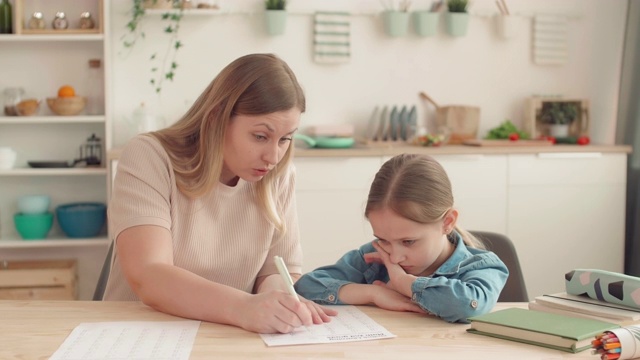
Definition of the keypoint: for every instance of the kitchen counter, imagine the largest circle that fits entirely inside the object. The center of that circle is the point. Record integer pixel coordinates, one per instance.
(362, 150)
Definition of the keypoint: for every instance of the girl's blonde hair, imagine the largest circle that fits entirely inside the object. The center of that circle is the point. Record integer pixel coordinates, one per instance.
(255, 84)
(417, 188)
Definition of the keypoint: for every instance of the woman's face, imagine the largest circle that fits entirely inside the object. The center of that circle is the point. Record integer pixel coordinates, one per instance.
(254, 144)
(420, 249)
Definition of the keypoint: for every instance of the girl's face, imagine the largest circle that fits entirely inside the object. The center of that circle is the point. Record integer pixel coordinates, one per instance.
(254, 145)
(418, 248)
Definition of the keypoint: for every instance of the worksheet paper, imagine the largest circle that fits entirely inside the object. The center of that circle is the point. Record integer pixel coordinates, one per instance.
(140, 340)
(350, 324)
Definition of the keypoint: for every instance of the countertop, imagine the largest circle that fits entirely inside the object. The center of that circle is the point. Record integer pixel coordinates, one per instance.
(362, 150)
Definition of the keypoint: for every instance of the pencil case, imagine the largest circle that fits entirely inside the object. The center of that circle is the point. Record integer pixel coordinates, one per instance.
(611, 287)
(625, 344)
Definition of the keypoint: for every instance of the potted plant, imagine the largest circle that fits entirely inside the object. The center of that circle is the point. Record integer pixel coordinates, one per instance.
(559, 115)
(276, 16)
(163, 67)
(396, 22)
(457, 17)
(426, 21)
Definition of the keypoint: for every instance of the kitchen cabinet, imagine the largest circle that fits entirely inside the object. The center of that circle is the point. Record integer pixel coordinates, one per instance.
(566, 211)
(563, 207)
(41, 62)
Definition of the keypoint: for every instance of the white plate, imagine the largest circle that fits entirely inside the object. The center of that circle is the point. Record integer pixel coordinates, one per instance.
(372, 129)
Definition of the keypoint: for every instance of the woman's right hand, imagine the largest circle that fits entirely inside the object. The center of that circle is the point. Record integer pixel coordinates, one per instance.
(274, 312)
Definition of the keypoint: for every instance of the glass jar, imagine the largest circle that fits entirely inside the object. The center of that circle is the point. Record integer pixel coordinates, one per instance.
(37, 21)
(86, 21)
(6, 22)
(94, 88)
(12, 96)
(60, 21)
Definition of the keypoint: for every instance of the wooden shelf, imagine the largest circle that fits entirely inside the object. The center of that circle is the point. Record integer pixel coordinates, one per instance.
(51, 37)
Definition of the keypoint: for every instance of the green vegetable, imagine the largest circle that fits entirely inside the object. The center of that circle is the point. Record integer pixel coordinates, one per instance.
(504, 130)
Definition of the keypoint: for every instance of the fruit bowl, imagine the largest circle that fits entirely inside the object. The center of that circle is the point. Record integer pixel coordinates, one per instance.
(70, 105)
(28, 107)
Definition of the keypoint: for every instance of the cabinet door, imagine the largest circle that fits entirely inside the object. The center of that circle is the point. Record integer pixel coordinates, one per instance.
(331, 195)
(566, 211)
(479, 184)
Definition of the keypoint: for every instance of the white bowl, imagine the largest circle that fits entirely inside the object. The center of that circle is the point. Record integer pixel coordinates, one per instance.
(34, 204)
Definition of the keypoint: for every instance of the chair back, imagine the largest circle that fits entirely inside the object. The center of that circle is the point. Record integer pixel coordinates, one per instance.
(515, 289)
(104, 275)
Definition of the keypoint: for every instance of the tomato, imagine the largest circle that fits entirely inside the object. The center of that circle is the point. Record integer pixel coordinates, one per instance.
(514, 136)
(551, 138)
(583, 140)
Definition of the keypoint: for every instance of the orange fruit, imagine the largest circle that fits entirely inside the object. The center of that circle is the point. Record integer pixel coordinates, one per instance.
(66, 91)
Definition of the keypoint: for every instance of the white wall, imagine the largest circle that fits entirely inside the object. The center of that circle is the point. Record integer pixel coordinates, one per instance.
(479, 69)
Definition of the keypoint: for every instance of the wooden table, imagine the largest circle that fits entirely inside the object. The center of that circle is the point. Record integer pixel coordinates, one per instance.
(35, 329)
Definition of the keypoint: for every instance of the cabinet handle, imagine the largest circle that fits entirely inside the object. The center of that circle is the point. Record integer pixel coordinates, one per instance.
(570, 155)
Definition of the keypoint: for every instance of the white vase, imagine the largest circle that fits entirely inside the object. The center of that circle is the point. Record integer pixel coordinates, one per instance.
(559, 130)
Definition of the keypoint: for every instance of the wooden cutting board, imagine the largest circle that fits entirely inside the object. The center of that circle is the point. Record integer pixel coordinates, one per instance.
(482, 142)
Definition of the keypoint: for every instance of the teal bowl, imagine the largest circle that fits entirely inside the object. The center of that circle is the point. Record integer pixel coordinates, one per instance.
(82, 219)
(33, 226)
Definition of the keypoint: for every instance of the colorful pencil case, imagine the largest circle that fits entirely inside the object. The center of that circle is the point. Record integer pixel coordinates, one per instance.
(605, 286)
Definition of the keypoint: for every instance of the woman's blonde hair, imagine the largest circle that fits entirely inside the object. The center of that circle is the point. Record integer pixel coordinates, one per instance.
(255, 84)
(417, 188)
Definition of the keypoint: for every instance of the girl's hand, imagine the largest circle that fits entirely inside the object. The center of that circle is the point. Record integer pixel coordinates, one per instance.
(278, 312)
(389, 299)
(399, 280)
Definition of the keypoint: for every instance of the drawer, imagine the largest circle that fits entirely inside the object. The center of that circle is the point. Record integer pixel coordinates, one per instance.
(38, 280)
(567, 169)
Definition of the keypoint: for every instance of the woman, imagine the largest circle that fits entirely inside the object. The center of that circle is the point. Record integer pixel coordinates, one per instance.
(200, 209)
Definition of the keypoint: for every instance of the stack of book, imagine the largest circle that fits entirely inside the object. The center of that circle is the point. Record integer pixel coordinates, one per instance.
(561, 332)
(586, 307)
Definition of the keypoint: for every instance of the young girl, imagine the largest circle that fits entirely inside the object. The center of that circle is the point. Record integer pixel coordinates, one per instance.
(420, 261)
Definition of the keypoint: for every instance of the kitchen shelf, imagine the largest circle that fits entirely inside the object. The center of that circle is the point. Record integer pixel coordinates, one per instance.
(52, 37)
(185, 12)
(53, 171)
(53, 243)
(52, 119)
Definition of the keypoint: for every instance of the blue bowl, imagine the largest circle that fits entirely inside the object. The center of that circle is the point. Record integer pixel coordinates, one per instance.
(82, 219)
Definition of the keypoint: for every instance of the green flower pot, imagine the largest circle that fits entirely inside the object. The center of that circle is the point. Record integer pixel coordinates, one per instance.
(396, 23)
(276, 21)
(457, 23)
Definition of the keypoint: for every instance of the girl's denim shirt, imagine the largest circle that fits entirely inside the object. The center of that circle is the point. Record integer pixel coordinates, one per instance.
(467, 284)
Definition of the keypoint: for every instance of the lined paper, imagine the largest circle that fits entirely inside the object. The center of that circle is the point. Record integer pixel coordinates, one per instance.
(350, 324)
(140, 340)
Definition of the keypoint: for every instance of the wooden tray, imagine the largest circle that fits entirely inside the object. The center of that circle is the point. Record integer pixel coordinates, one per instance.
(480, 142)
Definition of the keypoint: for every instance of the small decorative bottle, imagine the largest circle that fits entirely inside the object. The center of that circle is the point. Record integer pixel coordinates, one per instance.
(94, 89)
(6, 22)
(37, 21)
(60, 21)
(86, 21)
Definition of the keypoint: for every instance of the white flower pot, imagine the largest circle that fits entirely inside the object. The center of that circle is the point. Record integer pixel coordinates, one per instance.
(559, 130)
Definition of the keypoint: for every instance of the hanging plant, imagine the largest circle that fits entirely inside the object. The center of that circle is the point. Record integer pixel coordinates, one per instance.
(163, 67)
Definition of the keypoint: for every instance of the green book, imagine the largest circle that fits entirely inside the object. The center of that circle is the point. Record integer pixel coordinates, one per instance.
(560, 332)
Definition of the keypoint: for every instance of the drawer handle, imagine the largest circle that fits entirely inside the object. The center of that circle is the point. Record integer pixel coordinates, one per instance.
(570, 155)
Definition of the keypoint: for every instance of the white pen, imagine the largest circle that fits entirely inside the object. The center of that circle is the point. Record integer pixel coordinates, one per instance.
(286, 277)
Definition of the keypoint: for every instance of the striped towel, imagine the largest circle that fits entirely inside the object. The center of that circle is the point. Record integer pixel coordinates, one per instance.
(550, 45)
(331, 37)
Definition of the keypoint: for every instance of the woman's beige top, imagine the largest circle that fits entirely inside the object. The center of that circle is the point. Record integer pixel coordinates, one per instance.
(223, 236)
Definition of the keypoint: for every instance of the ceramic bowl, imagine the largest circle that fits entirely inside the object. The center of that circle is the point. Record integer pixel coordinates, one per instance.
(34, 204)
(67, 106)
(81, 219)
(33, 226)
